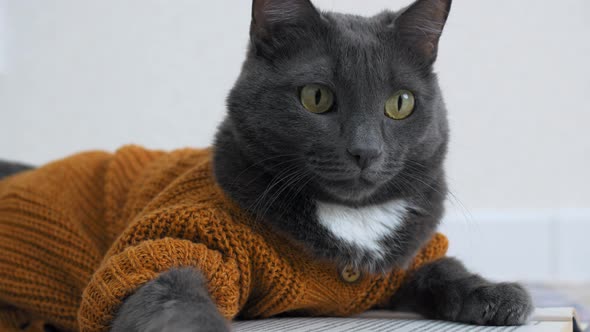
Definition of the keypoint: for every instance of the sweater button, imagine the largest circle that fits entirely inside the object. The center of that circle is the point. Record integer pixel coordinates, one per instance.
(350, 274)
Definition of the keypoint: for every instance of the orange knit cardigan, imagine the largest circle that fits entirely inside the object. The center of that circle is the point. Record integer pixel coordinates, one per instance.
(79, 235)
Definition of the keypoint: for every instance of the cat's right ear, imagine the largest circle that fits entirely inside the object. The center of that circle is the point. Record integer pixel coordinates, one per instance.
(276, 21)
(419, 27)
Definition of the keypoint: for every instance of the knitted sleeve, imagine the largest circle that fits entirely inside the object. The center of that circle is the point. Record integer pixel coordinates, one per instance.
(434, 250)
(121, 274)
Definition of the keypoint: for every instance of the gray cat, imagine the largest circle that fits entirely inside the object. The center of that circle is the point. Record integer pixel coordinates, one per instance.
(338, 116)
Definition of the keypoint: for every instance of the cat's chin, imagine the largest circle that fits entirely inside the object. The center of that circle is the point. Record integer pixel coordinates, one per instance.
(354, 190)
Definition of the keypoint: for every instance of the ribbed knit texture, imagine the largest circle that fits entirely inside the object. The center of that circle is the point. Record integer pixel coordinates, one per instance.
(79, 235)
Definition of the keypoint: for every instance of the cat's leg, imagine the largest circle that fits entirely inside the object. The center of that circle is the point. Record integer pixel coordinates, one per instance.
(446, 290)
(177, 301)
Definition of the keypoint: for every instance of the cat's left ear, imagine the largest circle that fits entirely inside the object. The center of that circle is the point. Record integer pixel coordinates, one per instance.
(420, 26)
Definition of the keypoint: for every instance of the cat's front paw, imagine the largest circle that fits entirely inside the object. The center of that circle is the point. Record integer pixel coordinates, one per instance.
(176, 301)
(497, 304)
(176, 317)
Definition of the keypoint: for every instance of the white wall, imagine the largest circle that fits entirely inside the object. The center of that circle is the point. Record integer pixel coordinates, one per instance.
(99, 74)
(2, 36)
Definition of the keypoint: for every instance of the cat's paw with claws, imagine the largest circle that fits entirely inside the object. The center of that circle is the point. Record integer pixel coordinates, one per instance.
(446, 290)
(496, 304)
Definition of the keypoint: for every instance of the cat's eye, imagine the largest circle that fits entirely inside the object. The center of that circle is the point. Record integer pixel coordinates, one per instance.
(400, 105)
(317, 98)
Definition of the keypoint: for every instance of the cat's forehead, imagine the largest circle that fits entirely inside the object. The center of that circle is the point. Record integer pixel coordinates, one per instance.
(359, 30)
(360, 49)
(355, 52)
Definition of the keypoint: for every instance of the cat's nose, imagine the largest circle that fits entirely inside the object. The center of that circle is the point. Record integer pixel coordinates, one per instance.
(365, 155)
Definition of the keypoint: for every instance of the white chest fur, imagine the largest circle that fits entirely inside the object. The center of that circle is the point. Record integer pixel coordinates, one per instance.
(364, 227)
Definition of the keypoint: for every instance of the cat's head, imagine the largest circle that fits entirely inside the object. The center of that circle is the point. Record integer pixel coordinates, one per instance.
(351, 100)
(336, 131)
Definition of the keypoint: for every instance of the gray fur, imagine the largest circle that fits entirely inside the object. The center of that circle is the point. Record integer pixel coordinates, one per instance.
(8, 168)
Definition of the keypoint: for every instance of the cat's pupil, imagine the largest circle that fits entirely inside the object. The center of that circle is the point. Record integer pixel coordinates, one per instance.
(400, 102)
(318, 96)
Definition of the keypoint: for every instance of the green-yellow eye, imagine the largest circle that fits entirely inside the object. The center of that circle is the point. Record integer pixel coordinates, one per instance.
(400, 105)
(316, 98)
